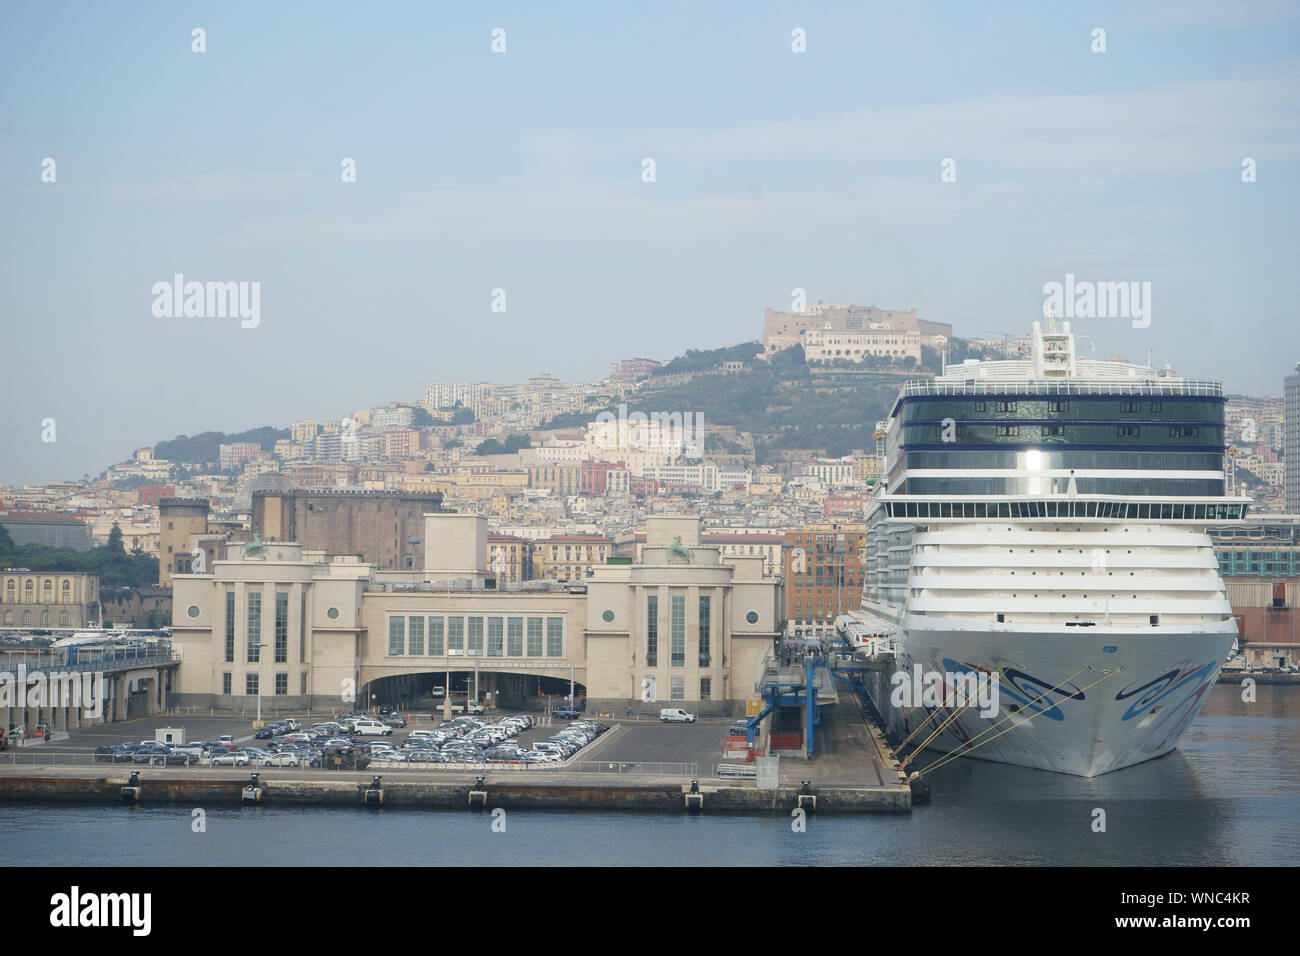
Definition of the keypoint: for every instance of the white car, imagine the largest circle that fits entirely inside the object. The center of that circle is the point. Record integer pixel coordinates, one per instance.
(229, 760)
(281, 760)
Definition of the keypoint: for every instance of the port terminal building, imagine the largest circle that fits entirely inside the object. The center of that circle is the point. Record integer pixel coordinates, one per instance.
(682, 624)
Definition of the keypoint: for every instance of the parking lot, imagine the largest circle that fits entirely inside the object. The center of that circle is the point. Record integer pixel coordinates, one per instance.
(647, 741)
(80, 748)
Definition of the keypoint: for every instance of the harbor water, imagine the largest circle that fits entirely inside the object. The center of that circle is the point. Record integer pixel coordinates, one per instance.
(1229, 796)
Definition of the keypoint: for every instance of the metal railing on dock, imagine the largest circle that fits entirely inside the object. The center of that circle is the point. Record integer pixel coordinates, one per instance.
(617, 767)
(644, 767)
(736, 770)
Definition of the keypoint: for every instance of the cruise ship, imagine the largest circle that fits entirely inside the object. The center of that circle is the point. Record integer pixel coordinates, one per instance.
(1045, 520)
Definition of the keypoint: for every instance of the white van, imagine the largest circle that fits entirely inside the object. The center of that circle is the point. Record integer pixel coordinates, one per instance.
(371, 728)
(675, 715)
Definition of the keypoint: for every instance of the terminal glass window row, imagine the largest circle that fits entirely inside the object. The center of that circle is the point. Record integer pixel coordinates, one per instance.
(652, 630)
(281, 626)
(677, 634)
(475, 636)
(705, 615)
(254, 627)
(396, 635)
(230, 628)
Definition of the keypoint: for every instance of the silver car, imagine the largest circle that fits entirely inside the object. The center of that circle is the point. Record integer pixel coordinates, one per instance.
(229, 760)
(280, 760)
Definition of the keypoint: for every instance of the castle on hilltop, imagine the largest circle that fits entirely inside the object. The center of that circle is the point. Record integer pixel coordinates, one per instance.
(852, 332)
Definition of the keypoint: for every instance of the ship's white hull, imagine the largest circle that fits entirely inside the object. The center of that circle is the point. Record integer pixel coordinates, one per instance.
(1125, 695)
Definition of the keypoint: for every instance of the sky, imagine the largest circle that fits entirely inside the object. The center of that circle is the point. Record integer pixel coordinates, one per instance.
(524, 171)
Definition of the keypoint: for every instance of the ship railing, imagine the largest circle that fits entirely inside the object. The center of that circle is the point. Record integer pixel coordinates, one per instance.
(1064, 387)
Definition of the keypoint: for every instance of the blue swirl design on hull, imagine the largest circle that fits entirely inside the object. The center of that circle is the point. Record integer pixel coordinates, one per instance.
(1161, 687)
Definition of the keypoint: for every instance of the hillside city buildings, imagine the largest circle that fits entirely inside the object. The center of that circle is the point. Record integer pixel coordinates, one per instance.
(566, 479)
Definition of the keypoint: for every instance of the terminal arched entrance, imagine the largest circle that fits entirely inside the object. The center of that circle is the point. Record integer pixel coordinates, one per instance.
(426, 691)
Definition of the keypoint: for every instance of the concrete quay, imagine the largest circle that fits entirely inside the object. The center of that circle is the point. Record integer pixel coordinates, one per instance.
(852, 773)
(432, 791)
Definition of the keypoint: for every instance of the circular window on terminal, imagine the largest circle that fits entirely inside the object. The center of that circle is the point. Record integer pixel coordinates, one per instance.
(192, 610)
(607, 616)
(332, 613)
(752, 617)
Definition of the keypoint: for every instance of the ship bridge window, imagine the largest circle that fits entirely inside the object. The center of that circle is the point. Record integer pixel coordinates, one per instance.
(1127, 431)
(1006, 406)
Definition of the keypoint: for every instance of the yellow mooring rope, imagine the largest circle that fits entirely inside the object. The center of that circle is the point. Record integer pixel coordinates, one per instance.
(928, 717)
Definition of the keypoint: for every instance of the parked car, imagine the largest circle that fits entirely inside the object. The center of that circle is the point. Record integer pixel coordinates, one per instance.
(195, 751)
(280, 760)
(675, 715)
(567, 713)
(146, 754)
(427, 756)
(229, 759)
(113, 753)
(227, 741)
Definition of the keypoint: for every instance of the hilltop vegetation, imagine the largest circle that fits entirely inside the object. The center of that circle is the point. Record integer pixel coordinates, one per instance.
(780, 402)
(698, 360)
(203, 447)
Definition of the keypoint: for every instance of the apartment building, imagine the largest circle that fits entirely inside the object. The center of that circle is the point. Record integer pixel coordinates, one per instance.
(824, 573)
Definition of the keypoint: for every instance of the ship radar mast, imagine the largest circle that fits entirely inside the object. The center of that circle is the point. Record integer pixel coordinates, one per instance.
(1054, 355)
